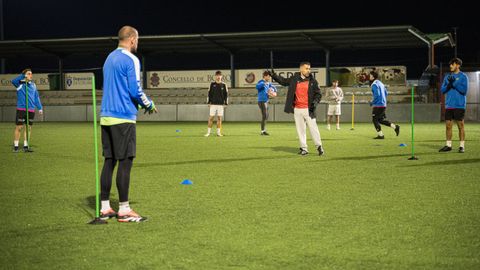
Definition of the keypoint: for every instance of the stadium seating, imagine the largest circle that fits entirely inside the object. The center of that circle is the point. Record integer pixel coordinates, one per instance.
(397, 94)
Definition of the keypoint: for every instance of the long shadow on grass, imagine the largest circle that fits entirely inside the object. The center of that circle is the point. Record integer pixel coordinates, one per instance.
(436, 146)
(284, 149)
(217, 161)
(446, 162)
(406, 155)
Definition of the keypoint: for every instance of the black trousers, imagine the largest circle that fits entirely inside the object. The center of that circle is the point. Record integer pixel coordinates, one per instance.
(379, 117)
(264, 110)
(123, 178)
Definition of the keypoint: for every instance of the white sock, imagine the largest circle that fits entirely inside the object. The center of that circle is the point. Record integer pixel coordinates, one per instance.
(449, 143)
(392, 125)
(218, 131)
(25, 143)
(15, 143)
(380, 133)
(462, 144)
(209, 130)
(105, 205)
(124, 207)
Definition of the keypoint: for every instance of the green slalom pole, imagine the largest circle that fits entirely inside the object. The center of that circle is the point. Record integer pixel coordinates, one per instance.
(28, 120)
(413, 157)
(97, 219)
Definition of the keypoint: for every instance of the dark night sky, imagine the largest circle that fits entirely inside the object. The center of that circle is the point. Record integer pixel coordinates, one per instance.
(87, 18)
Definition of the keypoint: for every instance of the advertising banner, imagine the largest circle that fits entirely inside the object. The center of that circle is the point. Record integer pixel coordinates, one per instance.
(184, 78)
(359, 76)
(250, 77)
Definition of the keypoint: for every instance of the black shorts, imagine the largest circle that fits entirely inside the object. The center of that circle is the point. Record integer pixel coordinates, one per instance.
(119, 141)
(454, 114)
(379, 112)
(21, 118)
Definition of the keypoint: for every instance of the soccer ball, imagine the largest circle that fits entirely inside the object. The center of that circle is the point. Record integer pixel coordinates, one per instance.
(272, 94)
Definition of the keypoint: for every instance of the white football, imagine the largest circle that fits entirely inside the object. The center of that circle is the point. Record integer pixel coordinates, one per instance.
(272, 94)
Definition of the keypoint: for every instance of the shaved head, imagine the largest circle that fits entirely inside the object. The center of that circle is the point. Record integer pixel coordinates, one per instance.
(128, 38)
(127, 32)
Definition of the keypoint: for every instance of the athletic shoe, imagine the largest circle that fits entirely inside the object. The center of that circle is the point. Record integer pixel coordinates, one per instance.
(320, 150)
(264, 133)
(15, 149)
(110, 213)
(328, 127)
(379, 137)
(130, 217)
(26, 149)
(338, 128)
(219, 134)
(303, 152)
(397, 129)
(461, 150)
(206, 135)
(445, 149)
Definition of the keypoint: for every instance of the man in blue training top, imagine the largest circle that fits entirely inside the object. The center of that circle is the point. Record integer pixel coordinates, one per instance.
(122, 96)
(455, 87)
(379, 104)
(22, 82)
(265, 90)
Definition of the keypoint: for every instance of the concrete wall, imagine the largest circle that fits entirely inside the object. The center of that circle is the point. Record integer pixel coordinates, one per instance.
(7, 114)
(165, 113)
(247, 112)
(239, 112)
(192, 112)
(65, 113)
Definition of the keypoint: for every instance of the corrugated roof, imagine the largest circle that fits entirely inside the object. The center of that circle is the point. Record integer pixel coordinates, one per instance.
(291, 40)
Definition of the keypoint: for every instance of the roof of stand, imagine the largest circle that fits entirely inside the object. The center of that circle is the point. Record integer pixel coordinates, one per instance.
(290, 40)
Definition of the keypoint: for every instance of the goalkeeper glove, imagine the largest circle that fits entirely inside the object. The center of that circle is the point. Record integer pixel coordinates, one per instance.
(150, 109)
(451, 79)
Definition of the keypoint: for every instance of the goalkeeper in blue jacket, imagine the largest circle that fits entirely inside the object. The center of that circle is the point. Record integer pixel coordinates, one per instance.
(122, 96)
(455, 88)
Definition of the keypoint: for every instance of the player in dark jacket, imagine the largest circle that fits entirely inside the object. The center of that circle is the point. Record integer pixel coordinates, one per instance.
(302, 98)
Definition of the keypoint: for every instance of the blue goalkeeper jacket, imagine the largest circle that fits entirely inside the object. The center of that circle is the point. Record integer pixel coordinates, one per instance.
(379, 92)
(457, 92)
(33, 96)
(262, 89)
(122, 92)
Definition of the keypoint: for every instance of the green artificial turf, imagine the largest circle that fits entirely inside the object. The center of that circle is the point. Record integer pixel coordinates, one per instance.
(254, 203)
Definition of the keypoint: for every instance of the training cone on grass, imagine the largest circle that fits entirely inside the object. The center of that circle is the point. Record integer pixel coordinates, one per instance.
(187, 182)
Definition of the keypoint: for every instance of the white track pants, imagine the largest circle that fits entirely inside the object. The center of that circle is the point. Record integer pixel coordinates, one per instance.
(302, 119)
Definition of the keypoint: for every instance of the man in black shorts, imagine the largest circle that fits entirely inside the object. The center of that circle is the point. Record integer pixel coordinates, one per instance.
(122, 95)
(23, 82)
(455, 87)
